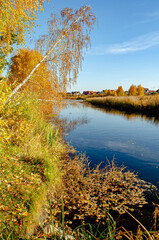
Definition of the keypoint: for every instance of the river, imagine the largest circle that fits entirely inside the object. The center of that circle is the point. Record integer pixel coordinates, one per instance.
(131, 140)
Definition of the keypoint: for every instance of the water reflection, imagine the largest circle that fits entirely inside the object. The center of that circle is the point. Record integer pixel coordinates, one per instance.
(128, 116)
(130, 138)
(69, 123)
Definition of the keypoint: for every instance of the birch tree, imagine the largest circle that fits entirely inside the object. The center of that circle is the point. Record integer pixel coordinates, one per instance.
(17, 17)
(64, 46)
(21, 65)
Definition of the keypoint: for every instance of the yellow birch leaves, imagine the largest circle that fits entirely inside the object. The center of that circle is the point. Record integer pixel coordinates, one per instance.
(17, 17)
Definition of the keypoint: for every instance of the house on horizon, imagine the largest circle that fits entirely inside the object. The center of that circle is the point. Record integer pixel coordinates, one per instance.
(87, 92)
(151, 92)
(76, 93)
(146, 90)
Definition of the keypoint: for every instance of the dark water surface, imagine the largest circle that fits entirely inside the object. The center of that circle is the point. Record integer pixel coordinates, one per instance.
(131, 140)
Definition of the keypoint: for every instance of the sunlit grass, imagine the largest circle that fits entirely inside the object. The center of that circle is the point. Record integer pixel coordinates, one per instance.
(30, 152)
(140, 104)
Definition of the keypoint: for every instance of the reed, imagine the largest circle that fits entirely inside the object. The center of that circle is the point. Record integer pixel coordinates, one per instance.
(148, 105)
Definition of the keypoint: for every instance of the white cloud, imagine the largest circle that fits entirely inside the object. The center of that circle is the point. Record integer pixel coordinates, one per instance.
(130, 147)
(137, 44)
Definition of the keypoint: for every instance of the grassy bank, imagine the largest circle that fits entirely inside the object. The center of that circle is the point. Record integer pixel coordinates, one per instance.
(148, 105)
(41, 175)
(30, 149)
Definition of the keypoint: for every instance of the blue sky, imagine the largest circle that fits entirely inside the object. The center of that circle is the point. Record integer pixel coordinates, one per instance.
(124, 43)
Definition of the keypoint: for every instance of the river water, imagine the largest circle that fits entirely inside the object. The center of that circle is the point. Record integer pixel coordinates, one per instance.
(131, 140)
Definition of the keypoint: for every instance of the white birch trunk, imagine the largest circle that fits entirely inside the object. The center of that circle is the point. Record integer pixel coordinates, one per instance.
(47, 54)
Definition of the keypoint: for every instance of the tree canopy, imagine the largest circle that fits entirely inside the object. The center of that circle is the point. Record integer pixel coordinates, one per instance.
(22, 64)
(68, 37)
(17, 17)
(64, 45)
(132, 90)
(120, 91)
(140, 90)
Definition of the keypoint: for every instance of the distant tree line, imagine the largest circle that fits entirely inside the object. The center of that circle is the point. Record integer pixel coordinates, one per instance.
(133, 91)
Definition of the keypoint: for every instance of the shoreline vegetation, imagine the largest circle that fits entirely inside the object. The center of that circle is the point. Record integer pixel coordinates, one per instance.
(42, 176)
(47, 190)
(144, 105)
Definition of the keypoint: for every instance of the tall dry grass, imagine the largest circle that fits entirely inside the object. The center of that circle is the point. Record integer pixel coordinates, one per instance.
(140, 104)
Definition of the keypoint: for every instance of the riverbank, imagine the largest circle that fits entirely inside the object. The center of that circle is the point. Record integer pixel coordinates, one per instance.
(146, 105)
(41, 175)
(30, 150)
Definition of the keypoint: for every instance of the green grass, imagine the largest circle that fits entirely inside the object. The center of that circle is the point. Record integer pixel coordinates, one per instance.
(30, 149)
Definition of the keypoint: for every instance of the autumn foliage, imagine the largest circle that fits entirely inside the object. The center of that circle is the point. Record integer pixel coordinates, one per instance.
(67, 40)
(40, 82)
(110, 93)
(36, 165)
(120, 91)
(30, 147)
(133, 90)
(140, 90)
(64, 46)
(17, 17)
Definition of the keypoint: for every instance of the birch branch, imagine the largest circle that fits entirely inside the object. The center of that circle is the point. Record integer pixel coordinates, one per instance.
(47, 54)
